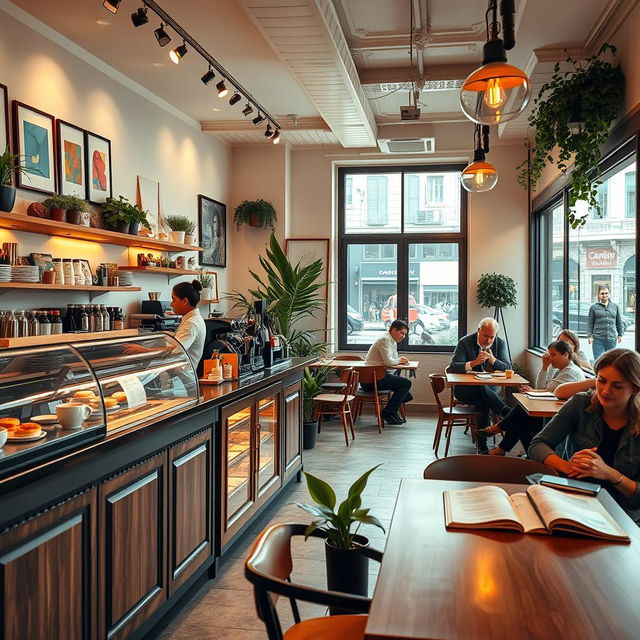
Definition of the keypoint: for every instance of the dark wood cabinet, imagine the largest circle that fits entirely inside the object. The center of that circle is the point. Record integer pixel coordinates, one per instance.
(48, 573)
(133, 559)
(190, 497)
(292, 433)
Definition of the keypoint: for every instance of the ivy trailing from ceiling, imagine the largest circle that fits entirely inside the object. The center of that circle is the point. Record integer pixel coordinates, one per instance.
(574, 112)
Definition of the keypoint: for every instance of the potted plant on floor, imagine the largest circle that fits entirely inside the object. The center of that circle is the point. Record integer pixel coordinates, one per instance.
(180, 225)
(347, 570)
(311, 387)
(256, 213)
(497, 291)
(9, 164)
(77, 210)
(57, 206)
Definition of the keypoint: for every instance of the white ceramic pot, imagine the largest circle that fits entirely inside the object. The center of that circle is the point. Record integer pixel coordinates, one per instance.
(189, 239)
(176, 236)
(206, 293)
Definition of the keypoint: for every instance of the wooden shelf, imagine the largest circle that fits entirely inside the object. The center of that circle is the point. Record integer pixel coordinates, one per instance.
(62, 338)
(162, 270)
(64, 287)
(207, 301)
(30, 224)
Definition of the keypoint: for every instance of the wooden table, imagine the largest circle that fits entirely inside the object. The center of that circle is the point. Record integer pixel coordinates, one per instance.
(357, 364)
(436, 584)
(500, 381)
(538, 408)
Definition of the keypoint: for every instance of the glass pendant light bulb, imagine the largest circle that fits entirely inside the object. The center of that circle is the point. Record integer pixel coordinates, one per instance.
(479, 176)
(494, 96)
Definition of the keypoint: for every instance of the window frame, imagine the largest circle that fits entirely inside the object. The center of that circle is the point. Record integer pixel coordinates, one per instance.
(402, 240)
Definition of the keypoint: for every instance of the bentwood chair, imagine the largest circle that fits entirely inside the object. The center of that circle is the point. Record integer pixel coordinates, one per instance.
(268, 567)
(450, 416)
(340, 385)
(339, 404)
(370, 375)
(474, 468)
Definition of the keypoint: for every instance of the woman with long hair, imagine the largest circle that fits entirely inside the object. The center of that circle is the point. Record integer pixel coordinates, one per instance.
(580, 356)
(602, 427)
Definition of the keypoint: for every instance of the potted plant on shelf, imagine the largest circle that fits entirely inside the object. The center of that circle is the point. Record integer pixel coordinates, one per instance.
(497, 291)
(57, 206)
(77, 210)
(347, 570)
(189, 234)
(180, 225)
(256, 213)
(573, 113)
(9, 164)
(206, 280)
(125, 217)
(311, 387)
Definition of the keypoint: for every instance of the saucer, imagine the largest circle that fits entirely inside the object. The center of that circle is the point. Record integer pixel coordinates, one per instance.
(18, 440)
(48, 418)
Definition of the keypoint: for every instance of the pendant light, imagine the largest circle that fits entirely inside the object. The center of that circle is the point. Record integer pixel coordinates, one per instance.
(497, 91)
(480, 175)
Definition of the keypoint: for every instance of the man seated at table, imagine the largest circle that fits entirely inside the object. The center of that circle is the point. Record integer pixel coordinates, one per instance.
(478, 352)
(384, 351)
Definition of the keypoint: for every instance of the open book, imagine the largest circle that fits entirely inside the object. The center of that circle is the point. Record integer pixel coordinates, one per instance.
(539, 510)
(541, 395)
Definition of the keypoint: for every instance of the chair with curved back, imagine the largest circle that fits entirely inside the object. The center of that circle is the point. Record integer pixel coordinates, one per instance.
(450, 416)
(472, 468)
(370, 375)
(339, 404)
(340, 384)
(268, 567)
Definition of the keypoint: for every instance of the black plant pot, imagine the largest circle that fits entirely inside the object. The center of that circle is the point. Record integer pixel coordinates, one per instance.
(122, 227)
(347, 569)
(7, 197)
(134, 227)
(309, 433)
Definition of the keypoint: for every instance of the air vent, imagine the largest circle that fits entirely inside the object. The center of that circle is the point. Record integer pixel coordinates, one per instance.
(410, 145)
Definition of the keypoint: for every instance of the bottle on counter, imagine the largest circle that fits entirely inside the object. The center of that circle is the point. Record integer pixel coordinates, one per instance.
(45, 325)
(58, 270)
(91, 318)
(11, 326)
(106, 320)
(84, 319)
(34, 325)
(69, 322)
(97, 318)
(56, 323)
(23, 324)
(118, 322)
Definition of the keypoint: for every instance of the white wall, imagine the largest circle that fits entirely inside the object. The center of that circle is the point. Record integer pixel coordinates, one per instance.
(146, 139)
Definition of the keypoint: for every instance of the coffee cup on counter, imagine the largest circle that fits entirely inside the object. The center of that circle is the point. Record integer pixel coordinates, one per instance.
(71, 415)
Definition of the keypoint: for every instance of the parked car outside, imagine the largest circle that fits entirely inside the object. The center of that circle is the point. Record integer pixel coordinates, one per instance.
(579, 316)
(389, 311)
(433, 318)
(355, 321)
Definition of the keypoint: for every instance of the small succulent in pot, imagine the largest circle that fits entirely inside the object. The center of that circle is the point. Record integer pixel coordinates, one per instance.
(57, 206)
(180, 225)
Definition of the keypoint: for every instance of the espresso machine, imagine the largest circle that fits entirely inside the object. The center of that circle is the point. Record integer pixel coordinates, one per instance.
(155, 315)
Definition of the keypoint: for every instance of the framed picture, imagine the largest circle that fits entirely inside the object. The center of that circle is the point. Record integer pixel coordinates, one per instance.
(70, 160)
(149, 200)
(212, 220)
(4, 118)
(305, 251)
(34, 141)
(98, 167)
(42, 260)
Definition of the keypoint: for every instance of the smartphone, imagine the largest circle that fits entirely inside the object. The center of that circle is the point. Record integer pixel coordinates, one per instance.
(570, 484)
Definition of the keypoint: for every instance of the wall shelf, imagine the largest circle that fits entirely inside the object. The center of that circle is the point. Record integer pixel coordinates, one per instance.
(30, 224)
(92, 290)
(161, 270)
(61, 338)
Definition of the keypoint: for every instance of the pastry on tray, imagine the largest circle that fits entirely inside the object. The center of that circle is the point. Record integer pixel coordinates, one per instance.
(26, 430)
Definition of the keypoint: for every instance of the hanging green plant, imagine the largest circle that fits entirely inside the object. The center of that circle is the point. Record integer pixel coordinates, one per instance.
(574, 112)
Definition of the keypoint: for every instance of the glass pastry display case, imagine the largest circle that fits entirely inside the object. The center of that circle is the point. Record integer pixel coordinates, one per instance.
(55, 398)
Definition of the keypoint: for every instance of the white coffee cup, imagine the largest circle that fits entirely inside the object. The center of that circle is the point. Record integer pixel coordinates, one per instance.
(71, 415)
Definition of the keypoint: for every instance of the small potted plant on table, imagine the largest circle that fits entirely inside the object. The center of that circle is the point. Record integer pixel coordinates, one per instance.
(180, 225)
(256, 213)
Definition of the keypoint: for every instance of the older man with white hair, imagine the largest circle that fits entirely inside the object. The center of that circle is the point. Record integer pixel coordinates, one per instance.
(481, 351)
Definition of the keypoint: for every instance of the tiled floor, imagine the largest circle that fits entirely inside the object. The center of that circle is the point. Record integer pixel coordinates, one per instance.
(223, 609)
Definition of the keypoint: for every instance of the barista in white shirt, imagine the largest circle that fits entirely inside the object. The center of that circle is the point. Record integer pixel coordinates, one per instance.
(191, 333)
(384, 351)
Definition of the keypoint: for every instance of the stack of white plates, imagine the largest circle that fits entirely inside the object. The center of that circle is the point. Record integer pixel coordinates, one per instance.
(126, 278)
(5, 273)
(25, 274)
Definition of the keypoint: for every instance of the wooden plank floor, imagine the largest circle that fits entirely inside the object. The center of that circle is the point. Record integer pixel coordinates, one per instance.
(223, 609)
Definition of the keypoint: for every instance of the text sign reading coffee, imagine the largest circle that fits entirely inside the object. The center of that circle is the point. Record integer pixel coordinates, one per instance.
(601, 257)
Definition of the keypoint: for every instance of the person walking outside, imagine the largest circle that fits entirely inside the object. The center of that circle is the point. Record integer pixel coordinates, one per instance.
(604, 325)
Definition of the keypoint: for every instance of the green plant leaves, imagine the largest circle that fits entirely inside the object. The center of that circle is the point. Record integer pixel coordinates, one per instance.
(320, 491)
(496, 290)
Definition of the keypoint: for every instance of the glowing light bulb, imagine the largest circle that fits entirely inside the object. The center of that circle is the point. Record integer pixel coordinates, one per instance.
(478, 180)
(494, 96)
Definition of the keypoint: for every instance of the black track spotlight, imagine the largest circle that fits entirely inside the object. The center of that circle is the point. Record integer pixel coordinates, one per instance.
(178, 53)
(248, 110)
(140, 17)
(235, 98)
(268, 131)
(276, 137)
(112, 5)
(208, 77)
(222, 89)
(162, 36)
(258, 119)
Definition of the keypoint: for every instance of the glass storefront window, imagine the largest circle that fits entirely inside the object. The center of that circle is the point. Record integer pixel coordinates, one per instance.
(432, 202)
(372, 203)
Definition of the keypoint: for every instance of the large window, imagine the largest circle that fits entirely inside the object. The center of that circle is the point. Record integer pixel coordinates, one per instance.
(571, 265)
(416, 271)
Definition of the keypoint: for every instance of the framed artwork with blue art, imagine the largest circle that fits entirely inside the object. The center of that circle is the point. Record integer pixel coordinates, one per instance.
(35, 144)
(98, 167)
(72, 180)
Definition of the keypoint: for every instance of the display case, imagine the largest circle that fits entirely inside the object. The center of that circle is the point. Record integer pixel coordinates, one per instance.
(33, 382)
(104, 385)
(141, 378)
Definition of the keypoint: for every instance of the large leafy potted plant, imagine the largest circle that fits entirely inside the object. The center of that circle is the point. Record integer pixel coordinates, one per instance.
(311, 387)
(573, 114)
(125, 217)
(347, 570)
(497, 291)
(256, 213)
(9, 164)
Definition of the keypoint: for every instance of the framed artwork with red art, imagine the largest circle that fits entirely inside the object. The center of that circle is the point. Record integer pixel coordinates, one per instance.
(98, 167)
(70, 157)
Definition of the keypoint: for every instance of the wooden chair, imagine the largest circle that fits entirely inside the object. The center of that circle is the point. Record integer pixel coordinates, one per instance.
(450, 416)
(474, 468)
(339, 404)
(340, 385)
(268, 567)
(370, 375)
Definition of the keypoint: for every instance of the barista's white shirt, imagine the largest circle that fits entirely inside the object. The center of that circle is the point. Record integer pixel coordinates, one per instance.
(191, 334)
